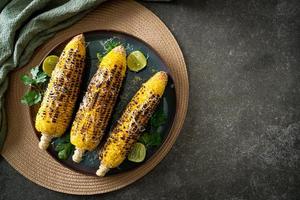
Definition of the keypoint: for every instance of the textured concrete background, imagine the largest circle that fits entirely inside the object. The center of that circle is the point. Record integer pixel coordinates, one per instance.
(241, 136)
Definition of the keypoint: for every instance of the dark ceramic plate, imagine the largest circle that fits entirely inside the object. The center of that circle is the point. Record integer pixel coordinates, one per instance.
(131, 84)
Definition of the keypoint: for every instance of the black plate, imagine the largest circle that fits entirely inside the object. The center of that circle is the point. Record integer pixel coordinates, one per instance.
(131, 84)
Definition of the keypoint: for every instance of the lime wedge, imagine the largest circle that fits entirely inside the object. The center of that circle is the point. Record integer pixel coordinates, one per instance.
(49, 64)
(138, 153)
(136, 61)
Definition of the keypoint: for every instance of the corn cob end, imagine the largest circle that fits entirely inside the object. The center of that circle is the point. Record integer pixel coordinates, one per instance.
(120, 49)
(102, 170)
(78, 43)
(77, 156)
(45, 141)
(79, 37)
(159, 77)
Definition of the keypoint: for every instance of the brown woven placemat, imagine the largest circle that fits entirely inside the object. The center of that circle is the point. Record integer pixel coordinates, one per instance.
(21, 146)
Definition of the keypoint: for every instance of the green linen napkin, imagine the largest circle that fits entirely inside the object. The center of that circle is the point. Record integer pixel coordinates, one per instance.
(25, 25)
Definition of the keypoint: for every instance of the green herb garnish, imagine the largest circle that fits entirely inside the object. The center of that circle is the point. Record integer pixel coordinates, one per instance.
(27, 80)
(64, 148)
(158, 118)
(153, 138)
(36, 82)
(31, 97)
(37, 77)
(108, 45)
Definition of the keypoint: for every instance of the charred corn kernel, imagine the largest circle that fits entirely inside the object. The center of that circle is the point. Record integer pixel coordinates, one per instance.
(56, 109)
(130, 125)
(98, 102)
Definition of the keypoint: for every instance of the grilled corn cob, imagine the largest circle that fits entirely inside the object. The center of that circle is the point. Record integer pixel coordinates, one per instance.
(128, 128)
(58, 103)
(97, 105)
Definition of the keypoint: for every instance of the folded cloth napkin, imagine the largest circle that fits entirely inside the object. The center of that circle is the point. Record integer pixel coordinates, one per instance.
(25, 25)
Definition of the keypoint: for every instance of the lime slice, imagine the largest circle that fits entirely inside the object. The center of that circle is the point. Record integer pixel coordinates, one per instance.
(138, 153)
(136, 61)
(49, 64)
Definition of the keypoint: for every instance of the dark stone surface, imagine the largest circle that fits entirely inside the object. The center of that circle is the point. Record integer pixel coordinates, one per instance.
(241, 136)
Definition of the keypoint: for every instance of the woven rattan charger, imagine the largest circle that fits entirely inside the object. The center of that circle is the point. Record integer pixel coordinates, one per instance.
(21, 146)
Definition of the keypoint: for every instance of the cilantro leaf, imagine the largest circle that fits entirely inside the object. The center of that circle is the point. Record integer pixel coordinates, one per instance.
(34, 72)
(110, 44)
(64, 148)
(36, 77)
(59, 147)
(151, 139)
(31, 97)
(158, 118)
(27, 80)
(34, 96)
(62, 155)
(65, 151)
(41, 77)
